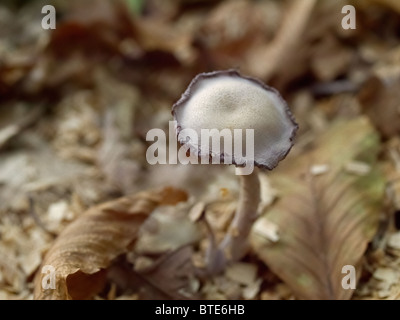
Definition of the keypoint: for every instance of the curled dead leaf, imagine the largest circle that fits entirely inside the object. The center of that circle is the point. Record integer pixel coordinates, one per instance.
(88, 245)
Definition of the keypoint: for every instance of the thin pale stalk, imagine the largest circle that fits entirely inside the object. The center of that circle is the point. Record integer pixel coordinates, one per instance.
(235, 244)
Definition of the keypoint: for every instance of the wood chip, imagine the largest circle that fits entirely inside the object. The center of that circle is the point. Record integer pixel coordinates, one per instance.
(251, 291)
(268, 193)
(319, 169)
(243, 273)
(394, 241)
(196, 212)
(387, 275)
(266, 229)
(358, 168)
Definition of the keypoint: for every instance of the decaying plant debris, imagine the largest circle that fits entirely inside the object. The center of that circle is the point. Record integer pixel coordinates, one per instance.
(77, 193)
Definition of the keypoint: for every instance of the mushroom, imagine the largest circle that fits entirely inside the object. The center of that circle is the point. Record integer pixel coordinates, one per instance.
(226, 100)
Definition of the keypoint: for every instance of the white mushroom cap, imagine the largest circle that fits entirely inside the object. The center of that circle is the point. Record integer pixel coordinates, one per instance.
(226, 100)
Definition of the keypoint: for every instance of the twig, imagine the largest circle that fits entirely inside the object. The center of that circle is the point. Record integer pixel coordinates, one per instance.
(272, 57)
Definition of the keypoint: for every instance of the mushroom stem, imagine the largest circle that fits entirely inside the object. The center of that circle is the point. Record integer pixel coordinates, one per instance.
(235, 244)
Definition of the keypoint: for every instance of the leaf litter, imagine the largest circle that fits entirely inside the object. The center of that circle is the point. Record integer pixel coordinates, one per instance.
(330, 211)
(76, 190)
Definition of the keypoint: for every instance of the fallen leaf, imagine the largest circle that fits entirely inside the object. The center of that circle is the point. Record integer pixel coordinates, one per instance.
(330, 58)
(325, 221)
(233, 27)
(88, 245)
(392, 4)
(172, 274)
(95, 32)
(379, 101)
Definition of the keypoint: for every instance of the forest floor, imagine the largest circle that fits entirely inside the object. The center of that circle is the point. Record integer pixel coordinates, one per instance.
(78, 199)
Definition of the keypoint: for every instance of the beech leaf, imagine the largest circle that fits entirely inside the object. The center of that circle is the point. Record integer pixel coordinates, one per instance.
(325, 221)
(172, 274)
(88, 245)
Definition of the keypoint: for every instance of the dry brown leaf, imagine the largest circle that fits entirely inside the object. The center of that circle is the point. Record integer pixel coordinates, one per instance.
(330, 58)
(173, 274)
(325, 222)
(380, 102)
(232, 27)
(88, 245)
(392, 4)
(155, 36)
(97, 32)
